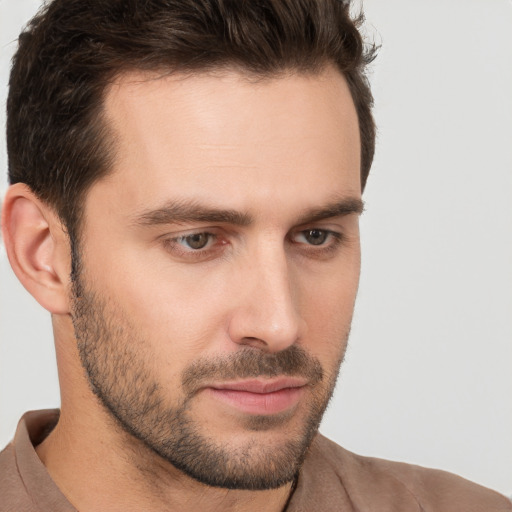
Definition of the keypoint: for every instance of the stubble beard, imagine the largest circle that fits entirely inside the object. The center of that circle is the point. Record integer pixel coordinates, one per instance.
(121, 376)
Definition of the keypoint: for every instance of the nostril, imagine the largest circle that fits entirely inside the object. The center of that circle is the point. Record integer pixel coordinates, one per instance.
(250, 341)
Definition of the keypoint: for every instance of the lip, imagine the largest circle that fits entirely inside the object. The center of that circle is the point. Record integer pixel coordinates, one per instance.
(259, 396)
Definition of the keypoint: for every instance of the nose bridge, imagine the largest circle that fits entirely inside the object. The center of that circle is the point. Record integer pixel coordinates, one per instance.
(268, 312)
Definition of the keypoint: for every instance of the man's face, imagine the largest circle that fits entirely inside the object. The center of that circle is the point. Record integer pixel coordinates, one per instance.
(219, 267)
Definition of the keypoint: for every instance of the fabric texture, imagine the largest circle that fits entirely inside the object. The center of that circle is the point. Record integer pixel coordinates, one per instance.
(331, 479)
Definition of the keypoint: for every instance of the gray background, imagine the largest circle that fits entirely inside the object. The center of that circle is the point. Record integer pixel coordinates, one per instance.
(428, 372)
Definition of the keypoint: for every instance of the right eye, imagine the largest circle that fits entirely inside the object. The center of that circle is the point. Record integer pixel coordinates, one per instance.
(196, 246)
(195, 241)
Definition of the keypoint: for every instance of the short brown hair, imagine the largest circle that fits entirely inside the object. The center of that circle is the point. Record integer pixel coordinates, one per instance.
(57, 143)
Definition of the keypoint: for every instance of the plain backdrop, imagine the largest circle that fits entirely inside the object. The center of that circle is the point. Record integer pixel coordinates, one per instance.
(428, 373)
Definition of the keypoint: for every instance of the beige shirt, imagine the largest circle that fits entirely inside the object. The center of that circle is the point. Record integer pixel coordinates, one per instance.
(331, 479)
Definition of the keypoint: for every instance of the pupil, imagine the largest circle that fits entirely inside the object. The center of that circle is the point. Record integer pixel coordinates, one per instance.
(316, 236)
(197, 240)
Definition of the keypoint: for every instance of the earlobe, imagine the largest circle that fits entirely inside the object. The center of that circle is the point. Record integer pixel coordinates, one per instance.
(37, 248)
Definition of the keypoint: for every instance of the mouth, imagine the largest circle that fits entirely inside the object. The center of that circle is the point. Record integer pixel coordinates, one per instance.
(260, 396)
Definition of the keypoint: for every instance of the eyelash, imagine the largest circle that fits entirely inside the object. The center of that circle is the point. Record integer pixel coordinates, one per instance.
(335, 238)
(334, 241)
(174, 244)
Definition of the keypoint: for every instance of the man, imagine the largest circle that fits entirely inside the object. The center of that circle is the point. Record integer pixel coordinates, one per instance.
(186, 184)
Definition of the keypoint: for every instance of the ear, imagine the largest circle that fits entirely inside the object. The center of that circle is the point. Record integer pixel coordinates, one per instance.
(37, 247)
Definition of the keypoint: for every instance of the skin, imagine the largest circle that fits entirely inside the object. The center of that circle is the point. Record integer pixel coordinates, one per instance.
(273, 151)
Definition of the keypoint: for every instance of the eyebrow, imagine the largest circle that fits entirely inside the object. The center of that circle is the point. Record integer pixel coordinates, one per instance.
(337, 208)
(182, 212)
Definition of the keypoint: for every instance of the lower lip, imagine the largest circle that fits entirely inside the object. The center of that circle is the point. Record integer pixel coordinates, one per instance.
(259, 403)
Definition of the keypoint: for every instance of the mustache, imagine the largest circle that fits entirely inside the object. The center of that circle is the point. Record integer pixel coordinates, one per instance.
(294, 361)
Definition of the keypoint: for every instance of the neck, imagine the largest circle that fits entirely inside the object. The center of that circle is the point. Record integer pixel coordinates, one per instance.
(81, 454)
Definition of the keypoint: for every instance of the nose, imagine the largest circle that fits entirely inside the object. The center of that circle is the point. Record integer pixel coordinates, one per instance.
(266, 314)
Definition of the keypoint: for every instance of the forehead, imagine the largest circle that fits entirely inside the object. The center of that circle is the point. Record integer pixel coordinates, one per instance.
(225, 136)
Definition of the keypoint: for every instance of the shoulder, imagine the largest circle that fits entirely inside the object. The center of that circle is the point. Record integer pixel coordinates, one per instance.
(390, 483)
(13, 495)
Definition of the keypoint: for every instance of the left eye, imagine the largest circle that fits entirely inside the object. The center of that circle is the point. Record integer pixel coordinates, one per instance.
(196, 241)
(313, 236)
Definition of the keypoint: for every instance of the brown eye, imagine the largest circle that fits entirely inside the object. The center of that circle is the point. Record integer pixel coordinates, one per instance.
(196, 241)
(315, 236)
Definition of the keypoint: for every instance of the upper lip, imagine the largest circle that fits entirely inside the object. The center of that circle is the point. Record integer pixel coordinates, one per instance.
(261, 386)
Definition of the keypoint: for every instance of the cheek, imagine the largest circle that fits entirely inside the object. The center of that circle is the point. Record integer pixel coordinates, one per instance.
(177, 312)
(327, 309)
(327, 332)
